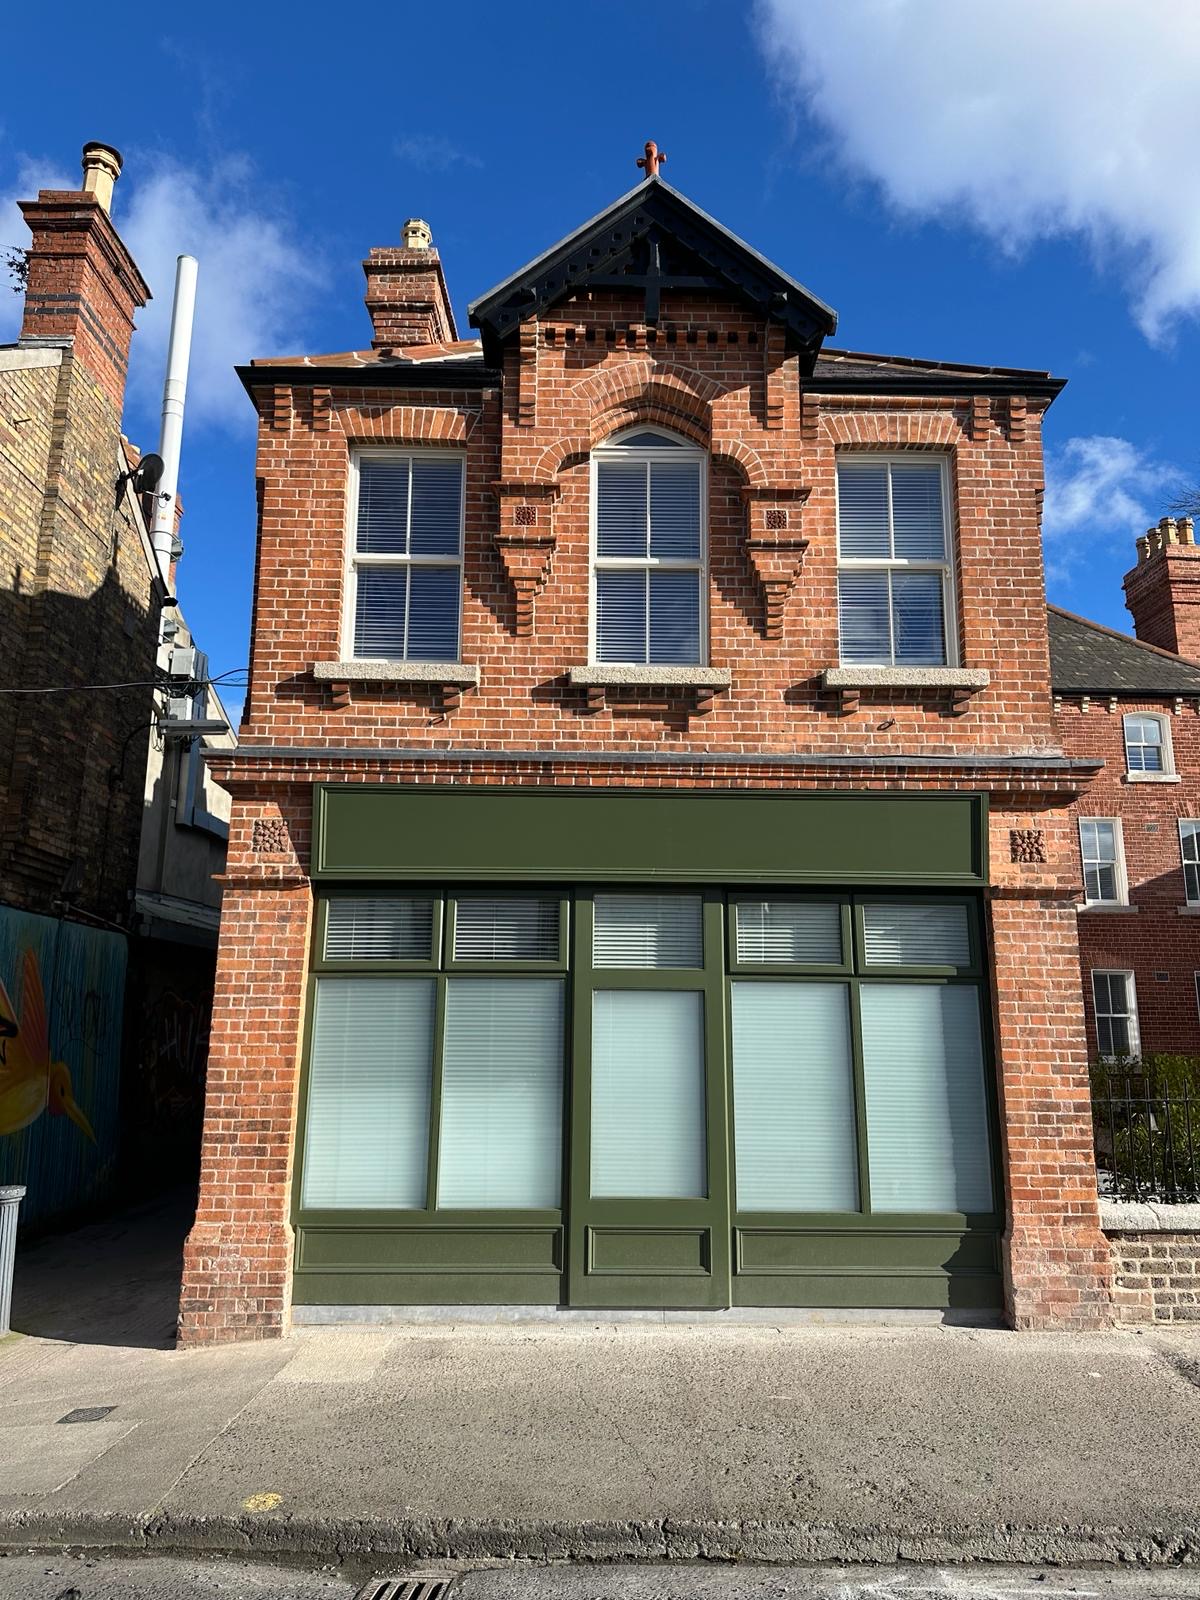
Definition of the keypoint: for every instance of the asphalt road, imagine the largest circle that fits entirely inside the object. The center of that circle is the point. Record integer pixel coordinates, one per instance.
(92, 1577)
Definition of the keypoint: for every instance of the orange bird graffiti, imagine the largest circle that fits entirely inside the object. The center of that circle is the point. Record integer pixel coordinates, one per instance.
(30, 1082)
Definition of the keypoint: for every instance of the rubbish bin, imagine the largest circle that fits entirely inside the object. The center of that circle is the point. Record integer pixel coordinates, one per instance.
(11, 1196)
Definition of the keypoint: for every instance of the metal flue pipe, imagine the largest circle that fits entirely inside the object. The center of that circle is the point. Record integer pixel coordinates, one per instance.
(162, 526)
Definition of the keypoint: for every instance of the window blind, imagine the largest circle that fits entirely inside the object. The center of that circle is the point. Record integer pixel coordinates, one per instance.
(383, 492)
(793, 931)
(897, 935)
(675, 510)
(502, 1071)
(435, 528)
(793, 1088)
(648, 1123)
(636, 930)
(408, 547)
(1098, 845)
(863, 531)
(378, 929)
(1189, 847)
(381, 611)
(926, 1098)
(1144, 744)
(864, 618)
(506, 929)
(621, 520)
(918, 531)
(918, 620)
(370, 1066)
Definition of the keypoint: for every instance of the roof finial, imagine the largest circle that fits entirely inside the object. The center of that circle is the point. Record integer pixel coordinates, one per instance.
(652, 160)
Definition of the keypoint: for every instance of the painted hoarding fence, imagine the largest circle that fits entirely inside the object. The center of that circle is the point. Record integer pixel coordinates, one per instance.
(62, 988)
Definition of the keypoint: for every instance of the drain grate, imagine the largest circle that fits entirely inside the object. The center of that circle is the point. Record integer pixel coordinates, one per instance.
(404, 1589)
(88, 1414)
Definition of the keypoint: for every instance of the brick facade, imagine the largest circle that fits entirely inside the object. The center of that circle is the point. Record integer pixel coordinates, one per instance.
(1156, 1276)
(570, 377)
(77, 600)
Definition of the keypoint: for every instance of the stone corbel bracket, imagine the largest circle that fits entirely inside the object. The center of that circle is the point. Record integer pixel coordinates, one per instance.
(525, 542)
(775, 547)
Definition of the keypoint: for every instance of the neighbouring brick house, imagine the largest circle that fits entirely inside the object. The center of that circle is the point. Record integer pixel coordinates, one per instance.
(107, 839)
(1135, 705)
(653, 865)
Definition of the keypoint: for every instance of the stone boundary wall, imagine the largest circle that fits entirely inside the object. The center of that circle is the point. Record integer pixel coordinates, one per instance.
(1156, 1261)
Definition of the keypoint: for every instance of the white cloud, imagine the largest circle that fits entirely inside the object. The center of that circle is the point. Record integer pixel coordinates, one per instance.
(1101, 493)
(256, 282)
(431, 153)
(1033, 119)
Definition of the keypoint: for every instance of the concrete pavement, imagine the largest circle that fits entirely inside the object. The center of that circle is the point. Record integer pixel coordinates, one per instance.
(612, 1442)
(94, 1577)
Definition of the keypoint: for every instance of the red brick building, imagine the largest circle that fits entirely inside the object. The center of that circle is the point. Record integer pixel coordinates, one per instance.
(1135, 705)
(654, 863)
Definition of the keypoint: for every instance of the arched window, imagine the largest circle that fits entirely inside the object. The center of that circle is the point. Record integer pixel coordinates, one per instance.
(649, 550)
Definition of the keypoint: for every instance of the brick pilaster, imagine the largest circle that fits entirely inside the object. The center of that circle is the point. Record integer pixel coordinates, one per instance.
(237, 1268)
(1057, 1266)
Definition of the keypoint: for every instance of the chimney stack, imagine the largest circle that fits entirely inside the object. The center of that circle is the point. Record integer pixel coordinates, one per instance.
(406, 291)
(1162, 593)
(83, 286)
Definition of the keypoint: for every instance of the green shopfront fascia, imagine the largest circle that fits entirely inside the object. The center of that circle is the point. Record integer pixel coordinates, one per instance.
(647, 1048)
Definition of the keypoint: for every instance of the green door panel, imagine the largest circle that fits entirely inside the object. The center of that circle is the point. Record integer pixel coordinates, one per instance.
(424, 832)
(670, 1251)
(885, 1267)
(432, 1265)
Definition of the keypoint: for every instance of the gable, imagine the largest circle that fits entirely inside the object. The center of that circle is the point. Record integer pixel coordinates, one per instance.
(654, 239)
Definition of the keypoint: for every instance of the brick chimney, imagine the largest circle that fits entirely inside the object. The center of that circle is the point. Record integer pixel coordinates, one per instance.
(1162, 593)
(83, 284)
(406, 291)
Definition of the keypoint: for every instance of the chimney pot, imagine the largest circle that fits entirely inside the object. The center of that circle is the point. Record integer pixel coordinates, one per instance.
(101, 169)
(1143, 549)
(1187, 531)
(416, 234)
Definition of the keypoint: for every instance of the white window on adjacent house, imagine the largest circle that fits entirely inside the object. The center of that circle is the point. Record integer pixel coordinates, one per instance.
(895, 594)
(406, 548)
(1147, 745)
(1102, 849)
(649, 583)
(1189, 849)
(1116, 1014)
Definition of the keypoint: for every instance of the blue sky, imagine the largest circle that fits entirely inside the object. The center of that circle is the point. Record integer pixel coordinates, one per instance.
(1017, 188)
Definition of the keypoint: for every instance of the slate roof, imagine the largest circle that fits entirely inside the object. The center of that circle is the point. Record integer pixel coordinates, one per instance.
(1086, 658)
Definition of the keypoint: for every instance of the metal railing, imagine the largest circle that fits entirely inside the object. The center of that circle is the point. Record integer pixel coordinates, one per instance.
(1147, 1134)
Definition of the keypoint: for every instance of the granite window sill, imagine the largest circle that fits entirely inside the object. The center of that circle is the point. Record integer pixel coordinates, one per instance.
(905, 678)
(396, 672)
(1151, 777)
(1108, 908)
(609, 675)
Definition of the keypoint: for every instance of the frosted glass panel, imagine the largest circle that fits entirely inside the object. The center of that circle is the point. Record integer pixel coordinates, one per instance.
(648, 1094)
(505, 929)
(367, 1133)
(390, 928)
(791, 931)
(502, 1073)
(793, 1092)
(648, 930)
(898, 935)
(926, 1109)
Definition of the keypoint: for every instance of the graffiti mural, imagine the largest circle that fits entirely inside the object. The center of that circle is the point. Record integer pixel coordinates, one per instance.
(62, 989)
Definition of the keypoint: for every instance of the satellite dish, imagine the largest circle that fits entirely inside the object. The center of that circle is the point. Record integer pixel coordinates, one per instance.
(148, 474)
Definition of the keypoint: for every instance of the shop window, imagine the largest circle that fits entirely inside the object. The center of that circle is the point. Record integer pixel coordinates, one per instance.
(507, 928)
(1148, 751)
(793, 1084)
(1102, 852)
(914, 935)
(1189, 848)
(405, 577)
(1115, 1000)
(647, 1131)
(634, 930)
(788, 932)
(378, 928)
(369, 1082)
(649, 585)
(895, 594)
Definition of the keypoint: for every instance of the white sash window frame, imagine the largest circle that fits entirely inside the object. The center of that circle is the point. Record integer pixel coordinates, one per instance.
(674, 449)
(356, 561)
(889, 566)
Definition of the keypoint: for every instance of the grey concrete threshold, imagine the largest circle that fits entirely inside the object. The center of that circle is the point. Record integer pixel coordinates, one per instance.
(571, 1316)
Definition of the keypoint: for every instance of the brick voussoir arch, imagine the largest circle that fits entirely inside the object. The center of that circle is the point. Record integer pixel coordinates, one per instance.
(867, 428)
(411, 425)
(692, 392)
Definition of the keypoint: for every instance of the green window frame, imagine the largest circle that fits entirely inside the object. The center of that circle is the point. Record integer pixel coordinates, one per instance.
(440, 968)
